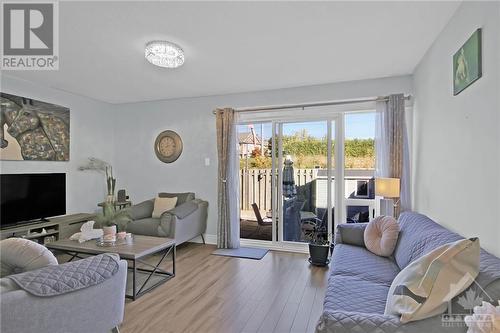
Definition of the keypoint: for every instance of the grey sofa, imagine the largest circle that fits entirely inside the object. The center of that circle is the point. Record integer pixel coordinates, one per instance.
(183, 223)
(97, 308)
(359, 280)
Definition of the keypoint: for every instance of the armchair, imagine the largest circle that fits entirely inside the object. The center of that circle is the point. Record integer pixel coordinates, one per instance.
(89, 307)
(186, 221)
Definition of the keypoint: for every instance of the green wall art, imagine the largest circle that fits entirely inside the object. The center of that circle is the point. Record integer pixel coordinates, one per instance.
(467, 63)
(33, 130)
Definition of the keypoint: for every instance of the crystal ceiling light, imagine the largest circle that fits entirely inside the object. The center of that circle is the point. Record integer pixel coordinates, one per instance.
(164, 54)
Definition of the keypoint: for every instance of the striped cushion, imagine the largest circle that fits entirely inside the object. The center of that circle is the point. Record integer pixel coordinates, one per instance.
(425, 286)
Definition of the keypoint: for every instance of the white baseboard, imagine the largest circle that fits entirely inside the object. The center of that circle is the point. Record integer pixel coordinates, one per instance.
(209, 239)
(286, 246)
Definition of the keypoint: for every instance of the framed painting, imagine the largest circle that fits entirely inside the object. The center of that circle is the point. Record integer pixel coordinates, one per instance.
(467, 66)
(33, 130)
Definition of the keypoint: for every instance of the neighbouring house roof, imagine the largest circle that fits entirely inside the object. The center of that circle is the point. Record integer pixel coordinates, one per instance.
(247, 138)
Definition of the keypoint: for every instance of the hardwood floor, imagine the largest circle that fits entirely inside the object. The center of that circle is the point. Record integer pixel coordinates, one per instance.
(280, 293)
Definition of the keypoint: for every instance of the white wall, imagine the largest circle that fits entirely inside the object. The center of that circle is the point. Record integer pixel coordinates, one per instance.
(91, 134)
(456, 138)
(138, 124)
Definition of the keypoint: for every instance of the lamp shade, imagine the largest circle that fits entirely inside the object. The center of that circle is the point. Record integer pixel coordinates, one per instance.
(387, 187)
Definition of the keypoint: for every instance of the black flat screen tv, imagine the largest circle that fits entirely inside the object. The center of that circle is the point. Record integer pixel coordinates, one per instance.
(28, 197)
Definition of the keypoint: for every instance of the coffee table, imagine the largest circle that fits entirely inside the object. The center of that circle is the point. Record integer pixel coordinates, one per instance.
(134, 251)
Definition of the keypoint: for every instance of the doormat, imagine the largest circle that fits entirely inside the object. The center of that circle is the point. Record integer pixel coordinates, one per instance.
(242, 252)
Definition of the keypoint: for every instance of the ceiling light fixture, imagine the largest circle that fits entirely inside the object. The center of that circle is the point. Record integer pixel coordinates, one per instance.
(164, 54)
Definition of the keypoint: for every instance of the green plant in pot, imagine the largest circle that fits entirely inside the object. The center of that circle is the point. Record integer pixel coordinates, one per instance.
(319, 247)
(111, 217)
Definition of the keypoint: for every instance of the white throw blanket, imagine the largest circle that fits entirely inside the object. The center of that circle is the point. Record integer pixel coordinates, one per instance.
(87, 232)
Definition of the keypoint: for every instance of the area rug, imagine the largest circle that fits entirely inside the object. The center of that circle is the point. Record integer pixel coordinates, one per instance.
(242, 252)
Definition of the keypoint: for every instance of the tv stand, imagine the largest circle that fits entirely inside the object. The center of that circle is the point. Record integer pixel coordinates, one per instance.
(56, 228)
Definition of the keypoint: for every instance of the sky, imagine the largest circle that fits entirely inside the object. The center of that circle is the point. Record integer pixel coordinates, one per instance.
(357, 125)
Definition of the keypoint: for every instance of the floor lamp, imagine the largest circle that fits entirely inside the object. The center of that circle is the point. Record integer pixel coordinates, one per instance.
(389, 188)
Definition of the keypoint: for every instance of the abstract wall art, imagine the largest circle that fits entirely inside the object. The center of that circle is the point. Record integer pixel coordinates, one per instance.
(33, 130)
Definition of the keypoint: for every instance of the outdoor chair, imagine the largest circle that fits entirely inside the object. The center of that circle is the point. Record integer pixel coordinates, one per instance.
(266, 222)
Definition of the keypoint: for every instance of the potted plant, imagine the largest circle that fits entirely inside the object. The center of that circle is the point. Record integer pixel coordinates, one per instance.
(319, 247)
(113, 218)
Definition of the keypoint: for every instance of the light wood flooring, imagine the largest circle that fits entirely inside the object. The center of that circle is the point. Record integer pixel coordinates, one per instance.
(280, 293)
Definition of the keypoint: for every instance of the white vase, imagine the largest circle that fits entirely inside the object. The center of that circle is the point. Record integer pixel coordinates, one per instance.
(110, 230)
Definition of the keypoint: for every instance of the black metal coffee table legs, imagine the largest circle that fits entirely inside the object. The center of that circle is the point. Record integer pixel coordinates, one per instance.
(138, 291)
(152, 271)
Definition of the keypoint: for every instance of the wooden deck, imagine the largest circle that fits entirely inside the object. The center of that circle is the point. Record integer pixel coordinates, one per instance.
(280, 293)
(249, 228)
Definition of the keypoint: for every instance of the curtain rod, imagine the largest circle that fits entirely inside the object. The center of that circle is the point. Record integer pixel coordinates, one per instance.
(315, 104)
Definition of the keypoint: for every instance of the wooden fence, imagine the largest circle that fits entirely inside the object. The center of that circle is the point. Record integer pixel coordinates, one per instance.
(255, 186)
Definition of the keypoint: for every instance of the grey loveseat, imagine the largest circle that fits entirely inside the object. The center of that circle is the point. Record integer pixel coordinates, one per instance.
(183, 223)
(359, 280)
(81, 296)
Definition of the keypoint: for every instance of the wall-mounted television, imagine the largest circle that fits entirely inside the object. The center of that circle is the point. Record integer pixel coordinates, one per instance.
(28, 197)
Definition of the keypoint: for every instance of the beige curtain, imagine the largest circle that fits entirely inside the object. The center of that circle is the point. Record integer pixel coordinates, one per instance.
(391, 145)
(228, 226)
(395, 124)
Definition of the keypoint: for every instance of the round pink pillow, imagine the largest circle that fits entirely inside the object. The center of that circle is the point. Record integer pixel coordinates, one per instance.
(381, 235)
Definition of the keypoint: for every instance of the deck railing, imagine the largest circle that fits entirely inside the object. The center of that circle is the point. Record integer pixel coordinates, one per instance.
(255, 186)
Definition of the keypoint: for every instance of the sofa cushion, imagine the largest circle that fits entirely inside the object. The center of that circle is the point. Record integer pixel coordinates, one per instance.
(424, 288)
(358, 262)
(351, 233)
(181, 197)
(146, 227)
(350, 293)
(142, 210)
(162, 205)
(21, 255)
(185, 209)
(419, 235)
(68, 277)
(381, 235)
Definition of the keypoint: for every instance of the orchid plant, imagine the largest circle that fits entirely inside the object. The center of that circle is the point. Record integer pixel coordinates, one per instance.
(100, 165)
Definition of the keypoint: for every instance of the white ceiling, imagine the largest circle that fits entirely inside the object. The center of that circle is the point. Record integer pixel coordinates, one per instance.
(236, 46)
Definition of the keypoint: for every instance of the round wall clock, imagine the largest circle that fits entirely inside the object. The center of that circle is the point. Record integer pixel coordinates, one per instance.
(168, 146)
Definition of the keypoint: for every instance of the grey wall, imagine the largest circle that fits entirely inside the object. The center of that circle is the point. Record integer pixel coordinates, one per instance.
(138, 124)
(456, 138)
(91, 134)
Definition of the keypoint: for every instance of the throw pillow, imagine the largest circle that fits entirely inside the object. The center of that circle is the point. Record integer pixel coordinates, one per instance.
(381, 235)
(20, 255)
(351, 233)
(424, 288)
(141, 210)
(162, 205)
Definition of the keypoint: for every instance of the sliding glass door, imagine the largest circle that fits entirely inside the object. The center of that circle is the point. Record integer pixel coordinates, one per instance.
(359, 167)
(289, 170)
(256, 185)
(303, 170)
